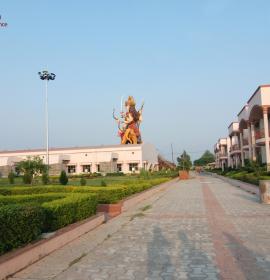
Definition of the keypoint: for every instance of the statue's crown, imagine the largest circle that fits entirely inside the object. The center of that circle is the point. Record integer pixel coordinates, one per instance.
(131, 101)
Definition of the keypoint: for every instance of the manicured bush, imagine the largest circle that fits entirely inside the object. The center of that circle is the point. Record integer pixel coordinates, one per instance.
(11, 177)
(63, 179)
(45, 178)
(103, 183)
(25, 212)
(73, 208)
(83, 181)
(20, 224)
(30, 198)
(115, 174)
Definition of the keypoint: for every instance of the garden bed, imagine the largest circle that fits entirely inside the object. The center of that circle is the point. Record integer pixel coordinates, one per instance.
(26, 212)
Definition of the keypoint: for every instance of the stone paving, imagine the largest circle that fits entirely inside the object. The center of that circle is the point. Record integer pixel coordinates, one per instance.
(202, 228)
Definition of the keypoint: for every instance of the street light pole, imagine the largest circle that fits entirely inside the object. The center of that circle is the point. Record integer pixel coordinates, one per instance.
(45, 75)
(47, 123)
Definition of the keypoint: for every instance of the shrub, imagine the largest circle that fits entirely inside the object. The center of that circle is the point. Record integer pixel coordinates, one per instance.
(83, 181)
(63, 179)
(103, 183)
(11, 177)
(20, 224)
(115, 174)
(73, 208)
(45, 178)
(30, 198)
(144, 174)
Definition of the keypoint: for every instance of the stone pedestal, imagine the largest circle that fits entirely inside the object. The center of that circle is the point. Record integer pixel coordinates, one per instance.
(183, 175)
(265, 191)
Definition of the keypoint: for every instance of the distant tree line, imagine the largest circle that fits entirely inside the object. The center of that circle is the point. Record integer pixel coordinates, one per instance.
(205, 159)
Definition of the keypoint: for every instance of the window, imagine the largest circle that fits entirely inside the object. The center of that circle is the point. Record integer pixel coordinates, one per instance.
(119, 167)
(72, 169)
(133, 167)
(98, 167)
(86, 168)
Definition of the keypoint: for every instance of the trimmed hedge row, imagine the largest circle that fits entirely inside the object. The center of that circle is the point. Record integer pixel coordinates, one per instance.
(32, 198)
(20, 224)
(109, 194)
(26, 212)
(24, 217)
(73, 208)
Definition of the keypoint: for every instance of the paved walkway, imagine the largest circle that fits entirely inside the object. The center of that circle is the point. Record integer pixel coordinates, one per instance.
(203, 228)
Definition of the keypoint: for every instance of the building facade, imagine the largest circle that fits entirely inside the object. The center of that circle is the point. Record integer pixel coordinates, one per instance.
(82, 160)
(248, 138)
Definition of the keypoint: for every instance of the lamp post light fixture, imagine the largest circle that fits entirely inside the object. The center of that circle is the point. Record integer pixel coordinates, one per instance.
(46, 76)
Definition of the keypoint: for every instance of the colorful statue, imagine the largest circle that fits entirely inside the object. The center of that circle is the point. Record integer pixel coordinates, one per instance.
(129, 122)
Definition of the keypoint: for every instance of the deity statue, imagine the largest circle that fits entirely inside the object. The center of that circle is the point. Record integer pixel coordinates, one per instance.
(129, 122)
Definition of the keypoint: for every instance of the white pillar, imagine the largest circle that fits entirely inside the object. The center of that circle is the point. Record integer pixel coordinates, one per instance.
(266, 136)
(253, 142)
(249, 143)
(242, 150)
(229, 147)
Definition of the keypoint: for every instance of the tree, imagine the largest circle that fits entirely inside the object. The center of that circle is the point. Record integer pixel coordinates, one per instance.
(184, 162)
(206, 158)
(31, 168)
(63, 178)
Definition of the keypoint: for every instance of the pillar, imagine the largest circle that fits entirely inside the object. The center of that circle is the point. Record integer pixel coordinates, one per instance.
(242, 150)
(253, 142)
(266, 136)
(249, 143)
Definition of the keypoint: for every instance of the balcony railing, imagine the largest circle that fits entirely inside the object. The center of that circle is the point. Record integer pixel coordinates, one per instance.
(223, 154)
(235, 148)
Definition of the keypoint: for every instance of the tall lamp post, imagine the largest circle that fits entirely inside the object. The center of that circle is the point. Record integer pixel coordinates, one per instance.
(46, 76)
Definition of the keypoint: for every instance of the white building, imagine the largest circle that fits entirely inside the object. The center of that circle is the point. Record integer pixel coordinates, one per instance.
(249, 137)
(79, 160)
(222, 148)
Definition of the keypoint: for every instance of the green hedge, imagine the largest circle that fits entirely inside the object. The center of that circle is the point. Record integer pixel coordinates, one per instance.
(108, 194)
(20, 224)
(26, 212)
(24, 217)
(30, 198)
(73, 208)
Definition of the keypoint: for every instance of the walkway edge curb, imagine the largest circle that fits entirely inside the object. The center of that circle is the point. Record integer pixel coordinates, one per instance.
(13, 262)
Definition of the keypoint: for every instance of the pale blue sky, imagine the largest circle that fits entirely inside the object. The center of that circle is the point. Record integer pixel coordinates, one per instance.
(195, 63)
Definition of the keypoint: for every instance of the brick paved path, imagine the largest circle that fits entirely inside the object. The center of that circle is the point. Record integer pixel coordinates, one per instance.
(203, 228)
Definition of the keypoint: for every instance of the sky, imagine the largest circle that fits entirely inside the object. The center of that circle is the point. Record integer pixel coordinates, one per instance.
(195, 63)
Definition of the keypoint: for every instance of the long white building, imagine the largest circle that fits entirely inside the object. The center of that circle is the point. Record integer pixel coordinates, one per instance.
(248, 137)
(79, 160)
